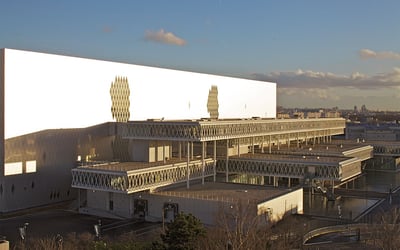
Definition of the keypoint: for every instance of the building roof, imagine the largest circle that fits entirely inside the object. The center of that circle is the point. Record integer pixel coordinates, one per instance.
(220, 191)
(292, 158)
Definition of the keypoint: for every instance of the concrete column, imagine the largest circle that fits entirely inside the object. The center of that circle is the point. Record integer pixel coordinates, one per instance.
(297, 139)
(170, 150)
(202, 161)
(163, 148)
(238, 147)
(79, 198)
(156, 156)
(262, 145)
(187, 166)
(288, 141)
(306, 138)
(262, 180)
(191, 151)
(314, 138)
(215, 161)
(275, 181)
(269, 144)
(289, 182)
(278, 140)
(252, 145)
(226, 163)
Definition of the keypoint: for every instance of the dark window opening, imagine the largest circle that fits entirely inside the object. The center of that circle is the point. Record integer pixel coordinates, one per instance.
(111, 205)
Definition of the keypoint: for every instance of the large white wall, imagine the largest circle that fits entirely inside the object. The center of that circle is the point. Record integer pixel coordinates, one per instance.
(290, 202)
(50, 91)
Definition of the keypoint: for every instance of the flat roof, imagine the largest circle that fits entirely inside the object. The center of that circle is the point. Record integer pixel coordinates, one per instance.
(338, 147)
(295, 158)
(129, 166)
(223, 191)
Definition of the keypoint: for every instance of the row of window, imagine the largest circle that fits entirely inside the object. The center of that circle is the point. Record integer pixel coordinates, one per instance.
(13, 168)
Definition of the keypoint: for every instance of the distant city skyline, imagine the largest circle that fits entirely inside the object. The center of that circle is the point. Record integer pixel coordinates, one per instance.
(320, 54)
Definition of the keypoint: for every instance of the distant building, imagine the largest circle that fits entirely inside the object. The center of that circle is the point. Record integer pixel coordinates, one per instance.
(282, 116)
(313, 115)
(332, 114)
(298, 115)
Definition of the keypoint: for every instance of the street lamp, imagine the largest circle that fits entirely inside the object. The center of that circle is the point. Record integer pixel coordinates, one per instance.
(23, 230)
(59, 241)
(97, 230)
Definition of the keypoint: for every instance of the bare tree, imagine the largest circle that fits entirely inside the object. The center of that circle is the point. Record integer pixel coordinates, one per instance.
(385, 234)
(238, 227)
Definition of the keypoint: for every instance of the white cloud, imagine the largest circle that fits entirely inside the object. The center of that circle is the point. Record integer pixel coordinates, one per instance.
(162, 36)
(313, 93)
(302, 79)
(370, 54)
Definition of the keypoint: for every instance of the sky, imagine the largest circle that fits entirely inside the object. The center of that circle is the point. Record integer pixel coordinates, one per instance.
(321, 54)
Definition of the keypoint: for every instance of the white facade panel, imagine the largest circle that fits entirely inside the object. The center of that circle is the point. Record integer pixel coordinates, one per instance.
(44, 91)
(276, 208)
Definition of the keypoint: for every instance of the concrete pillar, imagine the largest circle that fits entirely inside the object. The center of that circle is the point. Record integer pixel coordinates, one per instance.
(227, 160)
(288, 141)
(215, 161)
(252, 145)
(163, 148)
(262, 145)
(278, 140)
(262, 180)
(289, 182)
(156, 156)
(79, 198)
(314, 138)
(238, 147)
(306, 138)
(191, 151)
(297, 139)
(170, 150)
(203, 165)
(269, 145)
(187, 166)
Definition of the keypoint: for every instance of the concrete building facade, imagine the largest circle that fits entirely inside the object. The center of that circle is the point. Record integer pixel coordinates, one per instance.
(114, 135)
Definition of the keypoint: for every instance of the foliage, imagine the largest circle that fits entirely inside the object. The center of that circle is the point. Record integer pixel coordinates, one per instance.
(183, 233)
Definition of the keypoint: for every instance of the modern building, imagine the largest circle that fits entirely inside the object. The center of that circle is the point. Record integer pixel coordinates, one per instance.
(116, 136)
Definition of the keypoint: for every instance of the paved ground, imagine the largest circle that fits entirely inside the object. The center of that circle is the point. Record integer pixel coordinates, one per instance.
(57, 221)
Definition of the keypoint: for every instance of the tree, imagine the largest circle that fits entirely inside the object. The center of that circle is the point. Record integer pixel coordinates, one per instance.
(385, 234)
(183, 233)
(238, 227)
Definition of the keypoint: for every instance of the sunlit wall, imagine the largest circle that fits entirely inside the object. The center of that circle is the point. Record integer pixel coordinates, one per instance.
(43, 91)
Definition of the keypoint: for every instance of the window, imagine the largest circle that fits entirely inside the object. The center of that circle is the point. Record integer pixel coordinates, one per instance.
(30, 167)
(12, 168)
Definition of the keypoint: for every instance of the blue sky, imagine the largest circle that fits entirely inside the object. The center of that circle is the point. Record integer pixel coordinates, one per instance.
(320, 53)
